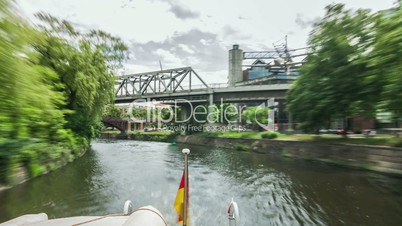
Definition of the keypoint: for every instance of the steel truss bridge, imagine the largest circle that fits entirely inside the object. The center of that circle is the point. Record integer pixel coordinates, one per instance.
(164, 81)
(184, 83)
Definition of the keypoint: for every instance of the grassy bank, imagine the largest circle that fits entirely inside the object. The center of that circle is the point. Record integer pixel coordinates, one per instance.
(245, 135)
(358, 139)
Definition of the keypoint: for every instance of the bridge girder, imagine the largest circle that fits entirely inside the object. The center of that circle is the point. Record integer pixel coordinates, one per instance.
(118, 123)
(164, 81)
(228, 94)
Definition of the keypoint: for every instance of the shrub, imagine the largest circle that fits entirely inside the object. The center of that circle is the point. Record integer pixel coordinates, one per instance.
(269, 135)
(35, 169)
(241, 147)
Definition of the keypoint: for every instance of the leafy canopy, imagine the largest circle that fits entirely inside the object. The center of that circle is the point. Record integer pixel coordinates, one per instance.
(87, 63)
(332, 82)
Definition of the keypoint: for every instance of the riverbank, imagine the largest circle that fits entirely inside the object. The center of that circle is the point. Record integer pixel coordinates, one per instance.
(19, 172)
(388, 140)
(368, 157)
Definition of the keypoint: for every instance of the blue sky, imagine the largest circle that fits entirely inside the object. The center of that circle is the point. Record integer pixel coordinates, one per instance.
(196, 33)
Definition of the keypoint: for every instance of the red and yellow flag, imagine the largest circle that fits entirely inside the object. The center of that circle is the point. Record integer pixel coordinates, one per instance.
(179, 202)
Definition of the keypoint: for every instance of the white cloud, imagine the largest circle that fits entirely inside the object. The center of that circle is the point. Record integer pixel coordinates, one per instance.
(204, 42)
(195, 33)
(135, 68)
(186, 48)
(168, 58)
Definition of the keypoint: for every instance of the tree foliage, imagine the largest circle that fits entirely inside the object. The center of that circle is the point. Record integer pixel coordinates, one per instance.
(54, 84)
(113, 111)
(333, 81)
(385, 67)
(86, 63)
(32, 117)
(256, 116)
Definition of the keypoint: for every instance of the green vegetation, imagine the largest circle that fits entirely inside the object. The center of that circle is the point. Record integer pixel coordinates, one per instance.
(245, 135)
(86, 64)
(256, 116)
(160, 136)
(269, 135)
(241, 147)
(379, 140)
(55, 82)
(113, 111)
(228, 113)
(353, 69)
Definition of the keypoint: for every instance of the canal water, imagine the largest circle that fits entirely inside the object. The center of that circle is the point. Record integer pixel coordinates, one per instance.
(269, 190)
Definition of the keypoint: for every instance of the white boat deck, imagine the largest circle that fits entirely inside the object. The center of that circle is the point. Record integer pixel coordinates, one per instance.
(146, 215)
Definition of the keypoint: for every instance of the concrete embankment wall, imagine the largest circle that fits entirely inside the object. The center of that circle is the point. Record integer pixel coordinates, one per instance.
(374, 158)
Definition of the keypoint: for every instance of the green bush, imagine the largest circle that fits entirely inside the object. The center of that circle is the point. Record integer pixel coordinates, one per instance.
(269, 135)
(36, 169)
(241, 147)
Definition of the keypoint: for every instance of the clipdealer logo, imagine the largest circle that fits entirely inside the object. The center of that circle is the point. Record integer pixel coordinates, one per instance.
(164, 114)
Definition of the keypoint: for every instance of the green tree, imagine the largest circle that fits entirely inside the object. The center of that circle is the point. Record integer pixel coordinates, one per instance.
(113, 111)
(385, 75)
(86, 63)
(332, 82)
(256, 116)
(228, 113)
(32, 118)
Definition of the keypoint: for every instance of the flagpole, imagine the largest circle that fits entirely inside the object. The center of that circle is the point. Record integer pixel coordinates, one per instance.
(186, 152)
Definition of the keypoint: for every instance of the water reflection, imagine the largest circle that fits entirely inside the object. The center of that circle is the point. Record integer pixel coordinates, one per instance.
(68, 191)
(269, 190)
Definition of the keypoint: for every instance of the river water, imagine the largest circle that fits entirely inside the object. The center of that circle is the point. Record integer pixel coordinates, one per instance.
(269, 190)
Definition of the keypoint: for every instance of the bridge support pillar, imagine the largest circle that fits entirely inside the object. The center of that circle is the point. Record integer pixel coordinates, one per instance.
(184, 119)
(210, 104)
(184, 114)
(210, 108)
(290, 121)
(128, 126)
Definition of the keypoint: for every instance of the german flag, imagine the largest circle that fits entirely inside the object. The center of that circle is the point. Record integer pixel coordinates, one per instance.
(179, 202)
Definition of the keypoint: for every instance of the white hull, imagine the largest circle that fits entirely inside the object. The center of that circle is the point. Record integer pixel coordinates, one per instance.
(146, 215)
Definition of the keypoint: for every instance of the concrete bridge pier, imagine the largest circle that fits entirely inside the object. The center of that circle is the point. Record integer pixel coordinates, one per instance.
(210, 107)
(185, 114)
(185, 117)
(128, 128)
